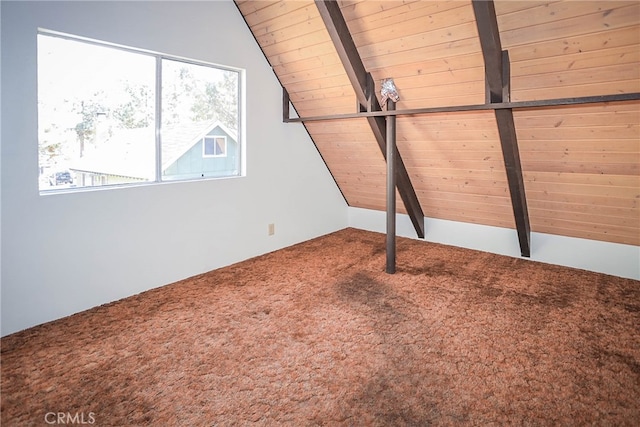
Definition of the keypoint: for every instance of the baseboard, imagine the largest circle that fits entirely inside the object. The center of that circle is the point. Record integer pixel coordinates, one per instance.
(602, 257)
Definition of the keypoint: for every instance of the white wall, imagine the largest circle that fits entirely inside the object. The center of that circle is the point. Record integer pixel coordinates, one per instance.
(603, 257)
(65, 253)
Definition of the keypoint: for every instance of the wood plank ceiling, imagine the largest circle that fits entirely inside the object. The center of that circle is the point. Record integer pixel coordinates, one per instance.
(580, 163)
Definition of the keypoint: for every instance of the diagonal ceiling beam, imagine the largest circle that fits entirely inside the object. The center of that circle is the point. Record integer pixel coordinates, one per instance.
(353, 65)
(496, 68)
(487, 24)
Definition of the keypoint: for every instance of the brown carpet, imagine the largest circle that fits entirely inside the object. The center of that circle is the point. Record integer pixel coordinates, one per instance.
(318, 334)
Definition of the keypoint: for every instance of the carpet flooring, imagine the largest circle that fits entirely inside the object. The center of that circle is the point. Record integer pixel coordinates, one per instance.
(318, 334)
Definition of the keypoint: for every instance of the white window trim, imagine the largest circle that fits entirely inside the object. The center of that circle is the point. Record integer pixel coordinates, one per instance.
(159, 57)
(213, 137)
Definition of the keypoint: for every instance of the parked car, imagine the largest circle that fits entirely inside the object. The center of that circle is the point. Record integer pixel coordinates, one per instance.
(60, 178)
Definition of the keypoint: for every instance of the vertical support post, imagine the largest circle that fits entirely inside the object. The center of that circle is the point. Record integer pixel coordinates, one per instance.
(506, 76)
(391, 189)
(285, 105)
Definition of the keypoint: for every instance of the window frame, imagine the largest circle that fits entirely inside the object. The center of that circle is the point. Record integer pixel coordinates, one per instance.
(214, 138)
(159, 58)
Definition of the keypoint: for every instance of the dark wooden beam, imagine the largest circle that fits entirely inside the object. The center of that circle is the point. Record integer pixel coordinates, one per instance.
(363, 87)
(496, 70)
(511, 156)
(391, 189)
(598, 99)
(286, 113)
(487, 24)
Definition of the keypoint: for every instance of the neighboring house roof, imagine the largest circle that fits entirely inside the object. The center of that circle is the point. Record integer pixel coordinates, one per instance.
(130, 152)
(127, 152)
(178, 139)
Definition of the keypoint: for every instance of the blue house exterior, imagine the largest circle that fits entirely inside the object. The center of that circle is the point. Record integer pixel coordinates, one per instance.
(213, 154)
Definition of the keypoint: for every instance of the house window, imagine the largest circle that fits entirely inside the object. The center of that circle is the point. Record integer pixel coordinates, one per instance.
(214, 146)
(112, 115)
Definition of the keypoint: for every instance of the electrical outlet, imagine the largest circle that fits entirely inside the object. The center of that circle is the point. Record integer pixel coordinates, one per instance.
(272, 229)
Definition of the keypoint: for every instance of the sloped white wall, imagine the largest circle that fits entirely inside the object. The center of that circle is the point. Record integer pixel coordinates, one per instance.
(65, 253)
(603, 257)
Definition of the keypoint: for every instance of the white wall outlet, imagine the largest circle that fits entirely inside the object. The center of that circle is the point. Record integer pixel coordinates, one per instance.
(272, 229)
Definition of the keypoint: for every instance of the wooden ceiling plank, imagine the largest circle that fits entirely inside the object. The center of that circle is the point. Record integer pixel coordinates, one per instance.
(555, 147)
(304, 52)
(562, 134)
(476, 198)
(475, 97)
(594, 119)
(290, 32)
(552, 12)
(610, 211)
(478, 160)
(432, 27)
(601, 74)
(577, 61)
(294, 45)
(313, 75)
(504, 7)
(572, 166)
(580, 199)
(598, 22)
(447, 121)
(273, 11)
(465, 207)
(581, 43)
(327, 60)
(586, 190)
(325, 93)
(459, 212)
(339, 32)
(425, 67)
(472, 74)
(322, 110)
(378, 9)
(583, 90)
(440, 51)
(421, 40)
(470, 187)
(286, 18)
(467, 135)
(248, 7)
(602, 158)
(319, 83)
(474, 219)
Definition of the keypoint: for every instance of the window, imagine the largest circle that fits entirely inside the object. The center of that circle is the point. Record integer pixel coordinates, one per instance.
(214, 146)
(111, 115)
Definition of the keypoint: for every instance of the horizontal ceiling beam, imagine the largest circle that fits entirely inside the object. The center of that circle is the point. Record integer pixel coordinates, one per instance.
(362, 85)
(599, 99)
